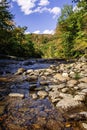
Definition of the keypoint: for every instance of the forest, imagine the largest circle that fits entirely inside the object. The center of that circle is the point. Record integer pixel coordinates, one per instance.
(68, 41)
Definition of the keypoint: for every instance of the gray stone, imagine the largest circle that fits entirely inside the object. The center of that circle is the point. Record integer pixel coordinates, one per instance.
(82, 85)
(56, 87)
(29, 71)
(60, 77)
(54, 96)
(84, 91)
(65, 74)
(49, 70)
(32, 78)
(67, 103)
(34, 96)
(76, 87)
(72, 74)
(63, 95)
(84, 79)
(79, 97)
(55, 100)
(84, 125)
(42, 94)
(16, 95)
(64, 90)
(20, 71)
(83, 113)
(71, 83)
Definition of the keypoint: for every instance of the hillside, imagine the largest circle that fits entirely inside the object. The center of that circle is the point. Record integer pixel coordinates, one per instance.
(69, 40)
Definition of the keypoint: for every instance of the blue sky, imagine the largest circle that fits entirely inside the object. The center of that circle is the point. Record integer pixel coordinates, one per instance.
(40, 16)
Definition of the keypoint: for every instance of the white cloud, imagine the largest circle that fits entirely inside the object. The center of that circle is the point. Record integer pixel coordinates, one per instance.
(44, 2)
(27, 32)
(26, 6)
(37, 32)
(47, 31)
(55, 11)
(41, 10)
(36, 6)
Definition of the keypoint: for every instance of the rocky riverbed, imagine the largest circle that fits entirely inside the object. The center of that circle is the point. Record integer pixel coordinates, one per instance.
(51, 98)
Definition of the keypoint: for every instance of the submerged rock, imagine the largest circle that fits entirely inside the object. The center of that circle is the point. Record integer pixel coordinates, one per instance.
(28, 114)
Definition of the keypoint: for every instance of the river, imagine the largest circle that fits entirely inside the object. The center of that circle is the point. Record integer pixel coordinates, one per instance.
(25, 92)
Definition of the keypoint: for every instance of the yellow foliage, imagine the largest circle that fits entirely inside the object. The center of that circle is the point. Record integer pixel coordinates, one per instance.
(80, 44)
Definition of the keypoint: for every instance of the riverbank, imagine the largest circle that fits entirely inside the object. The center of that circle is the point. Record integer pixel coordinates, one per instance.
(46, 97)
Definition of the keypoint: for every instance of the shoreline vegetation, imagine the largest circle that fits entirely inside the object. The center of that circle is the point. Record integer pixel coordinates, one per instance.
(68, 42)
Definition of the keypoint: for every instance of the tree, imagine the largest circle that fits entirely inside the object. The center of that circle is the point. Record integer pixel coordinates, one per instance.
(6, 18)
(68, 28)
(82, 5)
(65, 13)
(73, 27)
(6, 25)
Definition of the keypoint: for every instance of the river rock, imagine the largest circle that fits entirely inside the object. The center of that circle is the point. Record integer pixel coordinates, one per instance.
(65, 74)
(83, 113)
(42, 94)
(65, 95)
(79, 97)
(84, 125)
(82, 85)
(34, 96)
(72, 74)
(50, 71)
(16, 95)
(29, 71)
(60, 77)
(28, 114)
(84, 91)
(68, 103)
(64, 90)
(20, 71)
(54, 96)
(44, 82)
(84, 79)
(32, 78)
(57, 87)
(71, 83)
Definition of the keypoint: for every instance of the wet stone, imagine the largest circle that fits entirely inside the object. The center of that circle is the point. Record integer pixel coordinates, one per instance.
(20, 71)
(34, 95)
(42, 94)
(27, 113)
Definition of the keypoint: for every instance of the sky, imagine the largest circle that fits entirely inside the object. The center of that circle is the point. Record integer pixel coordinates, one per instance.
(40, 16)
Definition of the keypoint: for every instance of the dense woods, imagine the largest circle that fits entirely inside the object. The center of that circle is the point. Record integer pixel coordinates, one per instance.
(69, 40)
